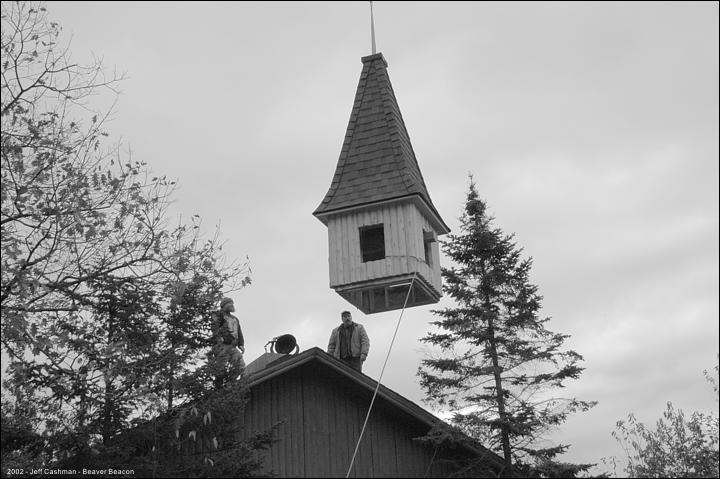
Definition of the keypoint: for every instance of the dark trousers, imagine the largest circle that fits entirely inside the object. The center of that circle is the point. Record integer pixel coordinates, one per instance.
(228, 364)
(354, 363)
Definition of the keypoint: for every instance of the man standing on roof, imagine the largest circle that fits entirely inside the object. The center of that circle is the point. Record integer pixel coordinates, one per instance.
(349, 342)
(229, 344)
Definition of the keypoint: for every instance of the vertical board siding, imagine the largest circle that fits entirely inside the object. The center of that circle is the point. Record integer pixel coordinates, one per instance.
(391, 249)
(345, 250)
(398, 251)
(313, 431)
(298, 445)
(413, 236)
(275, 394)
(340, 247)
(333, 264)
(383, 441)
(323, 416)
(432, 274)
(335, 435)
(350, 433)
(354, 253)
(404, 245)
(353, 239)
(365, 270)
(363, 466)
(402, 252)
(265, 423)
(278, 414)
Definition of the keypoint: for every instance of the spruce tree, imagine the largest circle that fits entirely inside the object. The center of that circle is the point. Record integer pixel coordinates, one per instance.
(495, 363)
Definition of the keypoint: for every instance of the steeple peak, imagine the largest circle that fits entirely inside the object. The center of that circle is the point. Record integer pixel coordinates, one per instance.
(372, 29)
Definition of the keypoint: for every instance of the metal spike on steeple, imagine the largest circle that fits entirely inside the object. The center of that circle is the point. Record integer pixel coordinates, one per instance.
(372, 28)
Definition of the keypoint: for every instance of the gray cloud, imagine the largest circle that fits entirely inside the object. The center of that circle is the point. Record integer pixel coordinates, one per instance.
(591, 130)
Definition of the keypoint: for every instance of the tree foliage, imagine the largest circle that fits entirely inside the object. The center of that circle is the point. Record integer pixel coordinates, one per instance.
(104, 305)
(21, 444)
(497, 361)
(677, 447)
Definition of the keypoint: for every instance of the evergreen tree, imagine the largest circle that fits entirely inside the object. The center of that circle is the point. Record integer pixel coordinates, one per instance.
(497, 361)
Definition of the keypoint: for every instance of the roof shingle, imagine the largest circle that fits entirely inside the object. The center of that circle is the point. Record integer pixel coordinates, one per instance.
(377, 161)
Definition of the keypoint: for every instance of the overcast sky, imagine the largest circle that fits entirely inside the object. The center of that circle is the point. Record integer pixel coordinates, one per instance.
(591, 130)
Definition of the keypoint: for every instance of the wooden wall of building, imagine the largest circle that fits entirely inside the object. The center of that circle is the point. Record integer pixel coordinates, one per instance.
(323, 413)
(404, 247)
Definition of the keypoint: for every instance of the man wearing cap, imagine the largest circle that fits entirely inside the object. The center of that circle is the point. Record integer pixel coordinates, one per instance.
(349, 342)
(228, 337)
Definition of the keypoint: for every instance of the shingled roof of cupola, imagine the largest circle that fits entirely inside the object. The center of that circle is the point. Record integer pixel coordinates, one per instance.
(377, 162)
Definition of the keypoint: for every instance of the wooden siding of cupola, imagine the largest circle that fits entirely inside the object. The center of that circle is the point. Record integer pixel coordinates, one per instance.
(377, 180)
(404, 226)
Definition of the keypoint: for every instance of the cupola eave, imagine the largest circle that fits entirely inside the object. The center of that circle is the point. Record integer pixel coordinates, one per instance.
(428, 210)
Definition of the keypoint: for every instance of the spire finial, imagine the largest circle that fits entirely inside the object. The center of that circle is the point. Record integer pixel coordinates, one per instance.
(372, 28)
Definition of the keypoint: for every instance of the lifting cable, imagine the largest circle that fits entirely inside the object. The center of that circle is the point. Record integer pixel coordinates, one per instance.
(367, 417)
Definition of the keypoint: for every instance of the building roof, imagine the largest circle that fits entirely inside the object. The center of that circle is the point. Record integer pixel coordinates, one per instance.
(377, 162)
(286, 363)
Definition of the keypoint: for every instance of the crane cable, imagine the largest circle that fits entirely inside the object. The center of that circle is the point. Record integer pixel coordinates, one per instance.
(367, 417)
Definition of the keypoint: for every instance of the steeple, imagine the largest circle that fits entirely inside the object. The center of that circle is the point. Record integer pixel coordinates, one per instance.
(377, 162)
(382, 225)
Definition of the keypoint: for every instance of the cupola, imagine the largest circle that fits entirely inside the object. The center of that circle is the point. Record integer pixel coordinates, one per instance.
(382, 225)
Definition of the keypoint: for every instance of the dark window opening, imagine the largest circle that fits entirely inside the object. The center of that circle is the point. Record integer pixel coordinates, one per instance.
(428, 240)
(372, 243)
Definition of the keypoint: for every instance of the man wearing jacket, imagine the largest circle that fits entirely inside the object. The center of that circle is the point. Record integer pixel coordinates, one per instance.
(229, 343)
(349, 342)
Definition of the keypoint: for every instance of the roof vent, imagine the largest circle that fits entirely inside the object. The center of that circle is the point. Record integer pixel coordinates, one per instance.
(283, 344)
